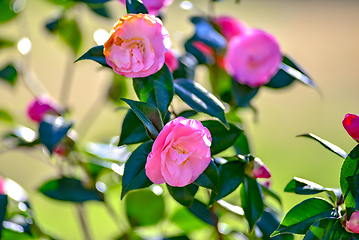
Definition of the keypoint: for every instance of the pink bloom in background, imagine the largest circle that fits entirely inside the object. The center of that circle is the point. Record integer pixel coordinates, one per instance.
(351, 125)
(2, 186)
(39, 106)
(171, 60)
(253, 58)
(353, 224)
(260, 170)
(180, 153)
(230, 27)
(137, 45)
(153, 6)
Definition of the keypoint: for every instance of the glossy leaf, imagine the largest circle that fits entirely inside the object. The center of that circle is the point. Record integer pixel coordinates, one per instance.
(95, 54)
(186, 67)
(186, 221)
(71, 190)
(156, 89)
(232, 208)
(4, 43)
(198, 98)
(320, 229)
(268, 223)
(187, 113)
(52, 129)
(242, 145)
(242, 94)
(302, 216)
(280, 80)
(134, 176)
(297, 75)
(149, 116)
(140, 214)
(3, 207)
(135, 6)
(305, 187)
(7, 12)
(349, 169)
(9, 74)
(132, 130)
(222, 138)
(107, 151)
(209, 178)
(5, 116)
(231, 175)
(21, 137)
(70, 33)
(201, 211)
(183, 195)
(100, 9)
(207, 34)
(333, 148)
(251, 200)
(117, 89)
(201, 56)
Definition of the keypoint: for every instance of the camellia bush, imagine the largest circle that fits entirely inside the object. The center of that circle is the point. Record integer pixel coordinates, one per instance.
(174, 168)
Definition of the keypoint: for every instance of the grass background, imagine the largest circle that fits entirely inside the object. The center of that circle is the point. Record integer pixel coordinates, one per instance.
(322, 35)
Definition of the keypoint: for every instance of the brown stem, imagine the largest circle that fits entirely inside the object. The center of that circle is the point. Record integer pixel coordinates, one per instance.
(81, 213)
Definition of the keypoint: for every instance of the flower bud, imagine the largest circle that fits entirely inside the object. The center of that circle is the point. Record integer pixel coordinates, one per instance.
(230, 27)
(171, 60)
(257, 169)
(351, 125)
(40, 106)
(352, 225)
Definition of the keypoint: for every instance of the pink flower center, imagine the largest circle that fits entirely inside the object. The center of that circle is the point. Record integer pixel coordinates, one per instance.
(182, 155)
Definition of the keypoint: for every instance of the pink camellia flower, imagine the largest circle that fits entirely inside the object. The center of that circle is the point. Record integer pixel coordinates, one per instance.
(40, 106)
(2, 192)
(230, 27)
(253, 58)
(171, 60)
(137, 45)
(352, 225)
(180, 153)
(351, 125)
(260, 170)
(153, 6)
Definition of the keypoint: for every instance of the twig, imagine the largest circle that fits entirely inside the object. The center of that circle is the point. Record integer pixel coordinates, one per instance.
(81, 213)
(67, 81)
(114, 216)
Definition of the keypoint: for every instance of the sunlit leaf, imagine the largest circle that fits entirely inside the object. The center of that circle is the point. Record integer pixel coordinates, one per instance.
(186, 221)
(268, 223)
(5, 116)
(4, 43)
(7, 11)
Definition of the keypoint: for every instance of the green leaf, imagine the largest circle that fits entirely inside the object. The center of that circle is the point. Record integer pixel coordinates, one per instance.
(320, 228)
(134, 176)
(222, 138)
(4, 43)
(92, 1)
(269, 192)
(231, 175)
(186, 66)
(95, 54)
(302, 216)
(7, 11)
(201, 211)
(186, 221)
(268, 223)
(9, 74)
(149, 116)
(70, 33)
(242, 145)
(242, 94)
(52, 25)
(297, 75)
(209, 178)
(198, 98)
(350, 168)
(305, 187)
(251, 200)
(140, 214)
(117, 89)
(333, 148)
(156, 89)
(135, 6)
(5, 116)
(280, 80)
(71, 190)
(132, 130)
(20, 137)
(100, 9)
(183, 195)
(52, 129)
(181, 237)
(187, 113)
(3, 206)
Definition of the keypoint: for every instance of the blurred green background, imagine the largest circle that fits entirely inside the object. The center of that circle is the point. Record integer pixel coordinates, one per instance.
(322, 35)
